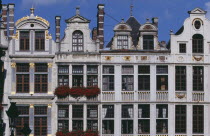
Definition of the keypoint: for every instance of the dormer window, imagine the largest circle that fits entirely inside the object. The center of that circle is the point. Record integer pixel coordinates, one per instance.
(77, 41)
(197, 43)
(122, 42)
(39, 40)
(148, 42)
(24, 41)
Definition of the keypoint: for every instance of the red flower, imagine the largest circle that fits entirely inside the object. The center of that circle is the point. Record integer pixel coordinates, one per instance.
(62, 91)
(77, 92)
(92, 92)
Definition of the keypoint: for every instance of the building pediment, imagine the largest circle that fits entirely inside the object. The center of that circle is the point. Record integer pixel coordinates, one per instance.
(77, 19)
(197, 11)
(148, 27)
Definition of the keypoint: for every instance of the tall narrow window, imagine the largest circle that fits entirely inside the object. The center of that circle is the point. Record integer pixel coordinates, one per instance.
(180, 119)
(77, 117)
(22, 119)
(162, 78)
(144, 119)
(63, 117)
(197, 43)
(24, 41)
(148, 42)
(41, 78)
(40, 121)
(77, 41)
(180, 78)
(108, 119)
(108, 78)
(144, 78)
(127, 119)
(162, 118)
(63, 75)
(77, 77)
(39, 40)
(92, 117)
(182, 48)
(198, 119)
(122, 42)
(92, 75)
(127, 78)
(22, 78)
(198, 81)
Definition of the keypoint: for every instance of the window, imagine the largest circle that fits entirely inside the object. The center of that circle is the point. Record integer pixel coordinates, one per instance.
(92, 77)
(77, 77)
(108, 111)
(180, 119)
(182, 48)
(162, 118)
(92, 125)
(108, 119)
(127, 111)
(108, 126)
(41, 67)
(22, 119)
(148, 42)
(40, 121)
(63, 117)
(92, 111)
(162, 78)
(127, 127)
(197, 24)
(197, 43)
(198, 78)
(24, 41)
(198, 119)
(77, 41)
(144, 78)
(180, 78)
(63, 75)
(39, 40)
(22, 78)
(108, 78)
(122, 42)
(127, 80)
(144, 119)
(77, 117)
(41, 83)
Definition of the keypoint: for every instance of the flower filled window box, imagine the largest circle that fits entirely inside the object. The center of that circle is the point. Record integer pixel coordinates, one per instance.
(77, 92)
(91, 92)
(77, 133)
(62, 91)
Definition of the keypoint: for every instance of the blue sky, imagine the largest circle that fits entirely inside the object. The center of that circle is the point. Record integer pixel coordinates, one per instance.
(171, 13)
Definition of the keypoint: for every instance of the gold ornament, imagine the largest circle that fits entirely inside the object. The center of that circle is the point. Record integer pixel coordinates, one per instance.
(127, 58)
(43, 20)
(31, 65)
(13, 65)
(47, 35)
(22, 19)
(16, 36)
(50, 65)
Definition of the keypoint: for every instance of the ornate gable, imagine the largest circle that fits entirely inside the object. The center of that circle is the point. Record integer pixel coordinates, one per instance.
(77, 19)
(197, 11)
(148, 27)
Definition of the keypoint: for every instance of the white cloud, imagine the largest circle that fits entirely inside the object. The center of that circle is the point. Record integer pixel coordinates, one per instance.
(207, 4)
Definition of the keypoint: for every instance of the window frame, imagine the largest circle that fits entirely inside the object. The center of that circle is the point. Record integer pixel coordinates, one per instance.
(77, 41)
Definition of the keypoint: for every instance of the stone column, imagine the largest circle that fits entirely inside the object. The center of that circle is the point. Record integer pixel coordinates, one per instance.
(85, 75)
(50, 65)
(135, 119)
(117, 119)
(171, 119)
(189, 119)
(49, 119)
(136, 82)
(31, 74)
(31, 118)
(118, 81)
(171, 82)
(70, 117)
(153, 83)
(153, 119)
(85, 117)
(189, 82)
(13, 75)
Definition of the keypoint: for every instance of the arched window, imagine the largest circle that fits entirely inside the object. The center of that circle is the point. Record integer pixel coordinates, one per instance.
(77, 41)
(197, 43)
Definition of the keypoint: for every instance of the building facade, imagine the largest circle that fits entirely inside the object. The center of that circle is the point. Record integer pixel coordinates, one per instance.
(148, 88)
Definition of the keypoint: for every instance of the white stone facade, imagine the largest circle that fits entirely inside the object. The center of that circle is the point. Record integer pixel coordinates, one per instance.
(62, 54)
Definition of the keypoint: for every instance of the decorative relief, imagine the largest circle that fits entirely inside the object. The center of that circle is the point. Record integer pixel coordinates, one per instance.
(31, 65)
(49, 65)
(49, 105)
(22, 19)
(180, 59)
(127, 58)
(144, 57)
(13, 65)
(43, 20)
(198, 58)
(47, 35)
(31, 105)
(181, 95)
(162, 58)
(147, 27)
(16, 36)
(108, 58)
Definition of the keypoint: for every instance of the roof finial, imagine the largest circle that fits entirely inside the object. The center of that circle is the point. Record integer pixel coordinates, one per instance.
(32, 9)
(131, 10)
(77, 10)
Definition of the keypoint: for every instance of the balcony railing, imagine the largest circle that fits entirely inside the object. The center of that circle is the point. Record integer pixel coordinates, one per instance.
(107, 134)
(108, 96)
(69, 98)
(162, 96)
(198, 96)
(143, 96)
(127, 96)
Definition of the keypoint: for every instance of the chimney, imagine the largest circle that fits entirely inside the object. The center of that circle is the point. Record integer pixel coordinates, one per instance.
(94, 34)
(100, 25)
(57, 29)
(11, 19)
(4, 18)
(155, 21)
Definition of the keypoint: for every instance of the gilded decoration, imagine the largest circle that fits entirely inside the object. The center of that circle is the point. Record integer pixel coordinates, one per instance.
(198, 58)
(47, 35)
(22, 19)
(50, 65)
(108, 58)
(13, 65)
(31, 105)
(31, 65)
(43, 20)
(162, 58)
(144, 57)
(49, 105)
(16, 36)
(147, 27)
(180, 95)
(127, 58)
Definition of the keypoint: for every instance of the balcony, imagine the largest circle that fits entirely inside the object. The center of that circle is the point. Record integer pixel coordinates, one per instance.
(162, 96)
(108, 96)
(198, 96)
(144, 96)
(127, 96)
(71, 99)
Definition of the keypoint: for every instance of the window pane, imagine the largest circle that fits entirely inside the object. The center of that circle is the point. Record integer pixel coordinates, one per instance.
(63, 69)
(77, 111)
(144, 69)
(92, 69)
(127, 70)
(162, 70)
(63, 111)
(92, 111)
(127, 111)
(108, 111)
(22, 67)
(77, 69)
(108, 69)
(41, 67)
(108, 126)
(180, 119)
